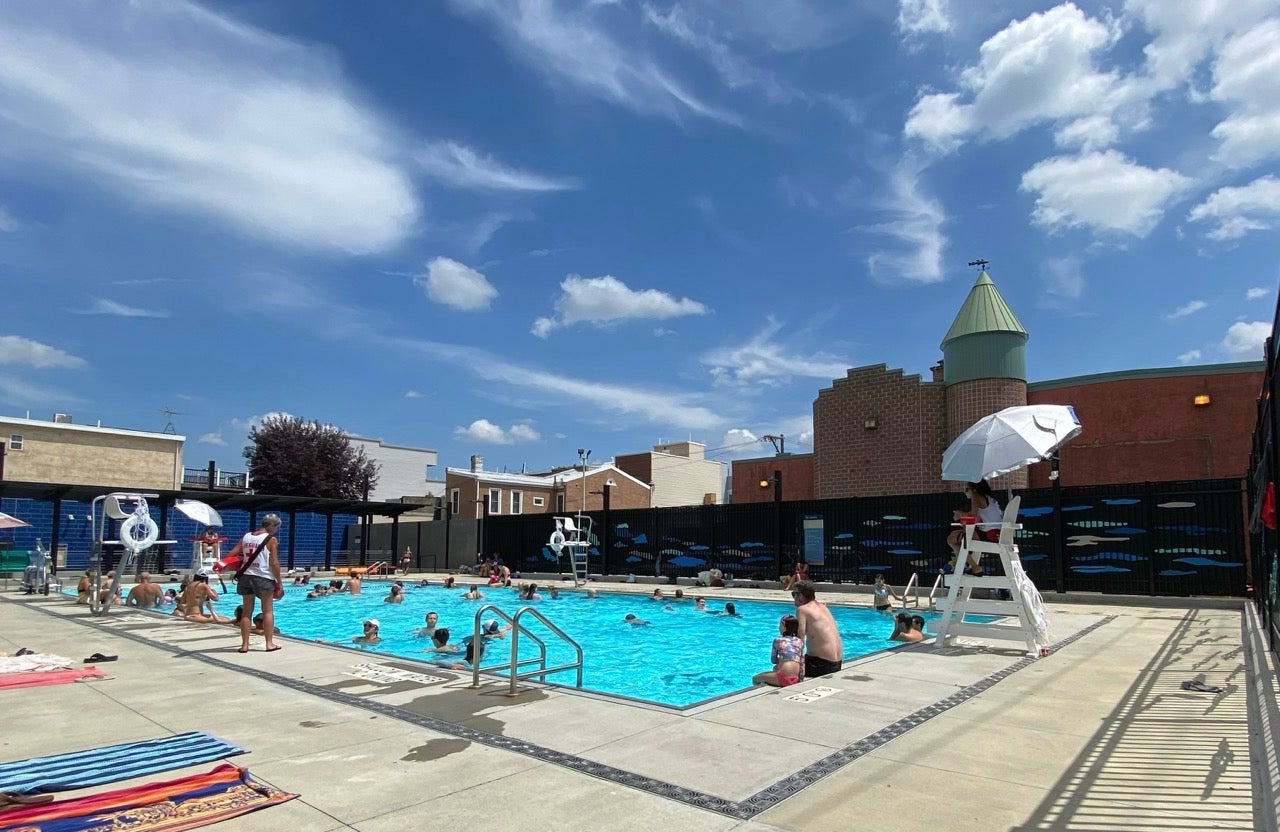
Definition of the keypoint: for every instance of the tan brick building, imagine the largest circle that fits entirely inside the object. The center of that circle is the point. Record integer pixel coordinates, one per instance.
(63, 452)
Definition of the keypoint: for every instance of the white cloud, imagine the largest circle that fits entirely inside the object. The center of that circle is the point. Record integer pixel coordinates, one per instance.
(605, 300)
(734, 71)
(102, 306)
(8, 222)
(462, 167)
(1257, 292)
(1188, 309)
(1244, 78)
(919, 17)
(412, 394)
(1235, 211)
(763, 361)
(575, 46)
(916, 223)
(1102, 191)
(14, 349)
(179, 108)
(252, 422)
(1189, 356)
(1039, 69)
(1246, 338)
(212, 438)
(17, 393)
(656, 405)
(1185, 33)
(453, 284)
(662, 332)
(484, 431)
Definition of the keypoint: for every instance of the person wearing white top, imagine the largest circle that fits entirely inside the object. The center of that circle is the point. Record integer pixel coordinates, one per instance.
(259, 580)
(986, 509)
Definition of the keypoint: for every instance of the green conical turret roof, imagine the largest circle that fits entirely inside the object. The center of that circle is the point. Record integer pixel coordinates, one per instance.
(983, 311)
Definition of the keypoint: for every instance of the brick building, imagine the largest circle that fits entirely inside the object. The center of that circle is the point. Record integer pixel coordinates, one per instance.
(878, 431)
(470, 492)
(63, 452)
(679, 473)
(797, 478)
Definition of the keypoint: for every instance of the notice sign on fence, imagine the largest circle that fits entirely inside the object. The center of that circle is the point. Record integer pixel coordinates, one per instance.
(813, 539)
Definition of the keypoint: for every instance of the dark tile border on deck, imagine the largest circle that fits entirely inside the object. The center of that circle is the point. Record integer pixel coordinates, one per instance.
(746, 809)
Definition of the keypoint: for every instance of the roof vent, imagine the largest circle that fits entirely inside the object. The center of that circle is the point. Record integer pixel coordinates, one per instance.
(62, 418)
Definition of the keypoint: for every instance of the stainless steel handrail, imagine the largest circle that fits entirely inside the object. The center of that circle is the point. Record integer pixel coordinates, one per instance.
(517, 629)
(914, 583)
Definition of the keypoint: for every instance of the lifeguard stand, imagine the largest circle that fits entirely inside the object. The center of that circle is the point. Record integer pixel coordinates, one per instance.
(576, 538)
(1022, 601)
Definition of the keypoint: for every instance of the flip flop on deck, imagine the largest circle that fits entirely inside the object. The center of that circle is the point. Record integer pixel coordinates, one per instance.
(77, 769)
(1201, 687)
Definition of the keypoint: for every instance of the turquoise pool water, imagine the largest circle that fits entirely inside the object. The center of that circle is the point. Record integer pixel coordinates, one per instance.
(682, 657)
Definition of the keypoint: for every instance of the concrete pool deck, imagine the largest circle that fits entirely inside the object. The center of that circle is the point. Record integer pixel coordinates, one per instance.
(1099, 735)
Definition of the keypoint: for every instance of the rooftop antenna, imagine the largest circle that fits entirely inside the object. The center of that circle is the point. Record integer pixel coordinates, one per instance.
(981, 264)
(168, 415)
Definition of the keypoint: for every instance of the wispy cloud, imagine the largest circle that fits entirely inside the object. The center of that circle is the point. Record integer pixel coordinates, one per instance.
(916, 224)
(251, 422)
(1190, 308)
(574, 46)
(456, 285)
(921, 17)
(1245, 338)
(486, 432)
(601, 301)
(212, 438)
(1236, 211)
(14, 349)
(146, 281)
(179, 108)
(412, 394)
(8, 222)
(1064, 284)
(1257, 292)
(462, 167)
(1189, 356)
(762, 360)
(103, 306)
(18, 393)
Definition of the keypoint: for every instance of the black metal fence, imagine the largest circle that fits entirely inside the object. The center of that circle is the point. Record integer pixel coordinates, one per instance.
(1264, 472)
(1166, 538)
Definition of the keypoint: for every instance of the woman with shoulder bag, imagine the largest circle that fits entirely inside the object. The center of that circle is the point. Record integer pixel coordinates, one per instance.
(258, 578)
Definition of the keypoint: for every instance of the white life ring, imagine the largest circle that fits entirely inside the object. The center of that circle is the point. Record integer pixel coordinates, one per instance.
(557, 540)
(138, 544)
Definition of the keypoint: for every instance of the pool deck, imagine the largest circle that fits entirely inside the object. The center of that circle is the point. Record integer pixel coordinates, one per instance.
(1096, 736)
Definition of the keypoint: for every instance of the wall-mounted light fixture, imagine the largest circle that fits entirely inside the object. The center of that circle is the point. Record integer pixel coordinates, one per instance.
(870, 423)
(1202, 400)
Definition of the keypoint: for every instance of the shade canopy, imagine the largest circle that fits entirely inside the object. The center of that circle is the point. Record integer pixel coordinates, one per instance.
(8, 521)
(1009, 440)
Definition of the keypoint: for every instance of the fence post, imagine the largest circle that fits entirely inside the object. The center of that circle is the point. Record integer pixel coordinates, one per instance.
(1059, 552)
(1149, 522)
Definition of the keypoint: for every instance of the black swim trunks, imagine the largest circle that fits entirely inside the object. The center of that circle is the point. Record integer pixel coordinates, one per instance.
(882, 607)
(815, 666)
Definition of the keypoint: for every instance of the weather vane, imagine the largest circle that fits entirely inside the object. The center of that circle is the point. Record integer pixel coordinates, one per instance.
(982, 264)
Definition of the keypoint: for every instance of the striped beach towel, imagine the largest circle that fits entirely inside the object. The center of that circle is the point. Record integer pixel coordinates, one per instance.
(77, 769)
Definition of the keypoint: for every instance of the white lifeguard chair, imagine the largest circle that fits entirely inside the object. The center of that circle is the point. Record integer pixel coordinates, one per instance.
(575, 537)
(1023, 602)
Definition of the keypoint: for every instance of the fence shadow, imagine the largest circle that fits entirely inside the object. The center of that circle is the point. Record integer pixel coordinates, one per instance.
(1166, 757)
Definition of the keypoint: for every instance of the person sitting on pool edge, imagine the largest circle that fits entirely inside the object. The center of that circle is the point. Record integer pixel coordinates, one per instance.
(823, 650)
(787, 656)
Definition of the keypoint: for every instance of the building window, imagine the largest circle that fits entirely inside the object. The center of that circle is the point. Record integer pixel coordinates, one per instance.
(538, 502)
(495, 500)
(15, 441)
(517, 502)
(453, 501)
(560, 502)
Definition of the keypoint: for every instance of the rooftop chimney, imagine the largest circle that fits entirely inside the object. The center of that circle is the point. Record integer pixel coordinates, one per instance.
(477, 463)
(937, 371)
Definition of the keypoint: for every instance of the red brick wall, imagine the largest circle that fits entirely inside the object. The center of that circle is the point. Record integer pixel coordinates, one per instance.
(1139, 429)
(969, 401)
(626, 494)
(901, 455)
(797, 478)
(639, 466)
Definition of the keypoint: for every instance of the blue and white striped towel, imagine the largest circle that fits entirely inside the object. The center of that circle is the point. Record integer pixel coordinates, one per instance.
(77, 769)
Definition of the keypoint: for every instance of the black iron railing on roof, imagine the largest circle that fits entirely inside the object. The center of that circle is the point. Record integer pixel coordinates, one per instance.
(199, 478)
(1264, 471)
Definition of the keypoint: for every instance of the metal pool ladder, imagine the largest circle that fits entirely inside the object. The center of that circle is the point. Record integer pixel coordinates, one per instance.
(515, 663)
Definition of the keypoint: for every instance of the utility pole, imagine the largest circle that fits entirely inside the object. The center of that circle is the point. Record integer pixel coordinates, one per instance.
(779, 443)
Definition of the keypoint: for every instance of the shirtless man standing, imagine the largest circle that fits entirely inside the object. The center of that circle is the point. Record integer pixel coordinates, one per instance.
(823, 650)
(145, 594)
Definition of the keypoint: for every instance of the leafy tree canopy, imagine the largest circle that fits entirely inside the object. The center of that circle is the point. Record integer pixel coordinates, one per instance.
(295, 457)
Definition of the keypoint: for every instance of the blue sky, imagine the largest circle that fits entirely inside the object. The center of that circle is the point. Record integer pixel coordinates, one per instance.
(521, 227)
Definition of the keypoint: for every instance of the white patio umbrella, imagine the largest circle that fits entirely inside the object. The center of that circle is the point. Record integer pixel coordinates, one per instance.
(1006, 441)
(8, 521)
(199, 512)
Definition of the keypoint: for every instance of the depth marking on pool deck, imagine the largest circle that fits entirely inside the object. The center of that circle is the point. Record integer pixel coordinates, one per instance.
(753, 805)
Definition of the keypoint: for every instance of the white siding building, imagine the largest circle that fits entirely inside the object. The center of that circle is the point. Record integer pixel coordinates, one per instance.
(678, 472)
(405, 471)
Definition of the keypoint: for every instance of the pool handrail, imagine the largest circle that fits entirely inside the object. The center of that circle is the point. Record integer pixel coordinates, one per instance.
(514, 665)
(938, 584)
(914, 583)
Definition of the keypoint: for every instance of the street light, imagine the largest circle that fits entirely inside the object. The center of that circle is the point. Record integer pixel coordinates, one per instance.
(776, 482)
(583, 456)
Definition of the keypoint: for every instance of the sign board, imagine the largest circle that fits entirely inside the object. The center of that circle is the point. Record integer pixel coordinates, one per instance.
(813, 539)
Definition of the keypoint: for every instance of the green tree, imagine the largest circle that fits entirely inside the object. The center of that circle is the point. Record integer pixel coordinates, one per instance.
(295, 457)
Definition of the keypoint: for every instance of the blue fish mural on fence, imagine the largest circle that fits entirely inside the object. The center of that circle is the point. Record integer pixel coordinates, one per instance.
(1193, 529)
(1130, 530)
(633, 559)
(758, 559)
(1098, 570)
(1035, 511)
(1191, 551)
(698, 547)
(875, 567)
(1122, 501)
(1176, 573)
(897, 526)
(1121, 556)
(894, 517)
(640, 538)
(687, 561)
(905, 552)
(1176, 504)
(1029, 533)
(751, 544)
(1075, 508)
(844, 536)
(547, 554)
(1032, 557)
(1208, 562)
(874, 543)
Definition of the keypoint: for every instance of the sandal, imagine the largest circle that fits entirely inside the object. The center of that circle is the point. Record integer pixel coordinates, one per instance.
(1201, 687)
(99, 657)
(19, 799)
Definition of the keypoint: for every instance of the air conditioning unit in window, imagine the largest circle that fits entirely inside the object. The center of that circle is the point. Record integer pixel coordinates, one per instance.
(62, 418)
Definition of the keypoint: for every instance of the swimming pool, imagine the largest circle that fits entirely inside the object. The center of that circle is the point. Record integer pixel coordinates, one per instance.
(683, 657)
